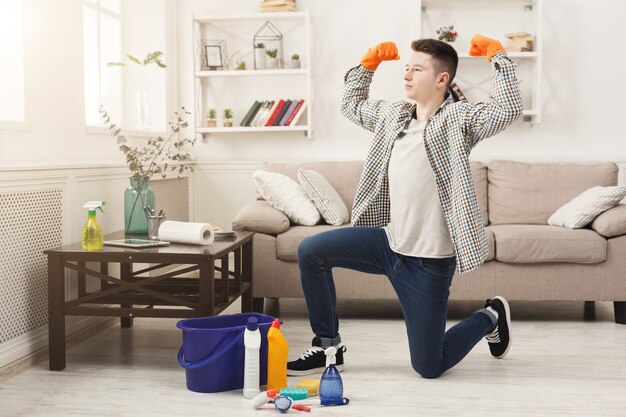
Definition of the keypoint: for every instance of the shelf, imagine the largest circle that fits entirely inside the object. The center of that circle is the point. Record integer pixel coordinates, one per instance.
(252, 129)
(249, 73)
(252, 16)
(518, 55)
(232, 87)
(476, 3)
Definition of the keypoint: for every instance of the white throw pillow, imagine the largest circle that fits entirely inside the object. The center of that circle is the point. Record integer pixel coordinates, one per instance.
(587, 206)
(325, 197)
(288, 196)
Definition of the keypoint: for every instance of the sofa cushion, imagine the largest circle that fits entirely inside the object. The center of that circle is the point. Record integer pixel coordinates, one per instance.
(542, 243)
(288, 196)
(612, 222)
(479, 174)
(259, 216)
(287, 243)
(324, 196)
(581, 211)
(342, 175)
(521, 193)
(491, 243)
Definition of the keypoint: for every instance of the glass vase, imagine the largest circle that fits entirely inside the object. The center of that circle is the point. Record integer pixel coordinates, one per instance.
(142, 110)
(136, 198)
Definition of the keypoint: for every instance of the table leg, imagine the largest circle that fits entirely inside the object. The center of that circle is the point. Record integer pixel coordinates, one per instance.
(126, 270)
(82, 280)
(104, 269)
(56, 316)
(225, 278)
(207, 287)
(246, 276)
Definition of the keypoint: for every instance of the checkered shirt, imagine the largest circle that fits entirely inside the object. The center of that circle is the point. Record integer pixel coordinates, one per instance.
(451, 133)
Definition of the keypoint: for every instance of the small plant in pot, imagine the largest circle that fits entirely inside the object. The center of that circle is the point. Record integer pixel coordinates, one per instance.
(295, 62)
(259, 56)
(211, 118)
(228, 115)
(272, 61)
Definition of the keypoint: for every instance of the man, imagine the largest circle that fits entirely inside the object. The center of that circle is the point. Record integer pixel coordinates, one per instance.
(415, 207)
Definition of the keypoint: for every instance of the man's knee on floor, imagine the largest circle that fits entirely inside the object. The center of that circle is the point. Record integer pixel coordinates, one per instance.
(426, 370)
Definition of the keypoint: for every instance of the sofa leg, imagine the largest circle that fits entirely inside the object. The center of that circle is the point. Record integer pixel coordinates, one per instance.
(258, 304)
(589, 313)
(620, 311)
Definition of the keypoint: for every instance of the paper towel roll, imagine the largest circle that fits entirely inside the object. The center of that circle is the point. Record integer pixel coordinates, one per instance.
(184, 232)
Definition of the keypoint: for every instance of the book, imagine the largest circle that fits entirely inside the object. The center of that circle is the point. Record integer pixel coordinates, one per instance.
(256, 114)
(266, 112)
(519, 42)
(282, 112)
(518, 35)
(295, 111)
(270, 112)
(259, 113)
(257, 107)
(285, 8)
(274, 115)
(299, 114)
(266, 3)
(249, 114)
(286, 115)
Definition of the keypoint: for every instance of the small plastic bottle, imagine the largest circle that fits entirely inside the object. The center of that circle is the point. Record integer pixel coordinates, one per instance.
(91, 237)
(277, 352)
(251, 370)
(331, 386)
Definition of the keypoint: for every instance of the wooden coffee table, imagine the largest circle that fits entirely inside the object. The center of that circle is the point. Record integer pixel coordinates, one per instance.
(144, 292)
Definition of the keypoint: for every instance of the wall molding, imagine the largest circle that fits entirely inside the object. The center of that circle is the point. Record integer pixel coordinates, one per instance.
(27, 350)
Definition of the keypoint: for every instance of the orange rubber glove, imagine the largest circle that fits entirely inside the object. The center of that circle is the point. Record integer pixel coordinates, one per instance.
(386, 51)
(484, 46)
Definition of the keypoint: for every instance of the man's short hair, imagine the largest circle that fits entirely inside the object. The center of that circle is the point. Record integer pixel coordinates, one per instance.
(444, 56)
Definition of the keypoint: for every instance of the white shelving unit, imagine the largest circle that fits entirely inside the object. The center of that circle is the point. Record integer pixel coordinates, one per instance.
(492, 18)
(238, 89)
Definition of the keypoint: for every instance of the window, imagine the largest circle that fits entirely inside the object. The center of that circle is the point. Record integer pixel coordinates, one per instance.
(102, 43)
(12, 108)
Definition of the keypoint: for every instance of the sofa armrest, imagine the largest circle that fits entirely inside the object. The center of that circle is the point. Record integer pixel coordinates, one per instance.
(612, 222)
(259, 216)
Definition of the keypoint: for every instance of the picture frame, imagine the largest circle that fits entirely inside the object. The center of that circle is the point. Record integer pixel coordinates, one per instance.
(214, 55)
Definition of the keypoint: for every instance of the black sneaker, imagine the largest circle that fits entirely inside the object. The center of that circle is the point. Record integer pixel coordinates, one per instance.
(500, 338)
(314, 360)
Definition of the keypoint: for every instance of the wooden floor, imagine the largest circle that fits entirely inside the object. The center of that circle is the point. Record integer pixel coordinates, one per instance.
(559, 365)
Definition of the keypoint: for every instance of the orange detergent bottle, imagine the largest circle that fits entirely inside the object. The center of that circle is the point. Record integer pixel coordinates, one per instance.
(277, 349)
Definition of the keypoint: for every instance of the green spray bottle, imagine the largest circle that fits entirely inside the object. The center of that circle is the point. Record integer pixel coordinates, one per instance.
(91, 238)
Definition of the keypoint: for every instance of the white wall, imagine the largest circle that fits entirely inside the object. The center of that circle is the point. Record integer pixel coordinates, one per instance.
(582, 92)
(583, 105)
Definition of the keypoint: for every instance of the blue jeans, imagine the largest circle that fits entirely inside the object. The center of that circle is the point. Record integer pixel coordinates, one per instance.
(422, 286)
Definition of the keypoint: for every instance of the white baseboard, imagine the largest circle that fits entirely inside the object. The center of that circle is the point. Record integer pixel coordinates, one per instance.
(37, 340)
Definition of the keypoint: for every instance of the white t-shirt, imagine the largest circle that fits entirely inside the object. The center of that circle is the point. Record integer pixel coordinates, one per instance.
(417, 227)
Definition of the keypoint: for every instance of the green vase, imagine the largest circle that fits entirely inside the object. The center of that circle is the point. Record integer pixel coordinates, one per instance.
(137, 197)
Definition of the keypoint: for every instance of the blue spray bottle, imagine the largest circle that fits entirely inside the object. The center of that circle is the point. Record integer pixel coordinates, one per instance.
(331, 386)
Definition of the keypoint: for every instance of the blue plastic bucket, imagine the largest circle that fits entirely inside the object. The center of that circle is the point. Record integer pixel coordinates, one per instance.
(213, 352)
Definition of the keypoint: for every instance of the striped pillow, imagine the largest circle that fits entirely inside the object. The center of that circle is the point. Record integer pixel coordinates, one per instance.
(587, 206)
(324, 196)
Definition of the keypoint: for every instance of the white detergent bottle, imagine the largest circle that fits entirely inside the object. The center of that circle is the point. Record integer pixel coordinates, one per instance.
(251, 369)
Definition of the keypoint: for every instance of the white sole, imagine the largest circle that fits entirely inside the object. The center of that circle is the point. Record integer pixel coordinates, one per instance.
(340, 368)
(507, 310)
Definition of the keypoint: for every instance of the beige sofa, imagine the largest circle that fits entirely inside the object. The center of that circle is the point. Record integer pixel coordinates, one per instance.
(528, 259)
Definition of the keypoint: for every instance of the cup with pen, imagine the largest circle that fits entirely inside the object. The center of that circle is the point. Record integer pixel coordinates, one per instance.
(154, 221)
